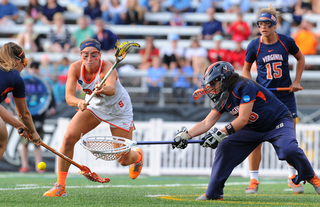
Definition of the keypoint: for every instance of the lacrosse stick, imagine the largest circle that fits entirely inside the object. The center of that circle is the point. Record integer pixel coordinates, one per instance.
(200, 92)
(84, 170)
(120, 54)
(113, 148)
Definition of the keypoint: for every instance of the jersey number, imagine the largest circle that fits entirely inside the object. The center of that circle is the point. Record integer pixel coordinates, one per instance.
(89, 92)
(276, 67)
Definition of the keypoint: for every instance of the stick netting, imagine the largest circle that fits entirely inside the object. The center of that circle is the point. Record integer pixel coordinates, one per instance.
(106, 149)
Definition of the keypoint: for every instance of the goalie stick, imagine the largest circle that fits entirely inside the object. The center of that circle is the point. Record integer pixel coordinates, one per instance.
(113, 148)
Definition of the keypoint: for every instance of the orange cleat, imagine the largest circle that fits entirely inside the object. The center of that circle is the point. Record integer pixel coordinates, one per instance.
(135, 168)
(57, 191)
(297, 189)
(253, 187)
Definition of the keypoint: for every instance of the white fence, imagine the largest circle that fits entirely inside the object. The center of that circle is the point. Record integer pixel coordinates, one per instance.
(194, 160)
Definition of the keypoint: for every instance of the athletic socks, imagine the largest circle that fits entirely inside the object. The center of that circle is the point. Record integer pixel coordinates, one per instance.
(62, 177)
(254, 174)
(292, 171)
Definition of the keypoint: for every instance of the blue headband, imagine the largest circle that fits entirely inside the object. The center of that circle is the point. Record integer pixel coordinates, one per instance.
(89, 44)
(273, 19)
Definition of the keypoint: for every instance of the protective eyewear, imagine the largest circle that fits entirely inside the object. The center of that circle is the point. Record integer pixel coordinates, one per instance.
(265, 22)
(94, 54)
(24, 61)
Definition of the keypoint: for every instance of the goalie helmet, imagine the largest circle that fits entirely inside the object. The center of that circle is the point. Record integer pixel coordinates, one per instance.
(215, 85)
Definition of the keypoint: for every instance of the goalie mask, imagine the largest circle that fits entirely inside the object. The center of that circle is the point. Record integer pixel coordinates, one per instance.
(215, 85)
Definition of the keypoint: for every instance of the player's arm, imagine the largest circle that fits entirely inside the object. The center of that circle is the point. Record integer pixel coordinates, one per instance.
(242, 119)
(300, 67)
(205, 124)
(8, 118)
(71, 84)
(246, 70)
(109, 87)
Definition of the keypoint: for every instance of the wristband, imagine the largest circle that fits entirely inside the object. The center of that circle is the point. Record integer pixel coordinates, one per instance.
(189, 135)
(229, 128)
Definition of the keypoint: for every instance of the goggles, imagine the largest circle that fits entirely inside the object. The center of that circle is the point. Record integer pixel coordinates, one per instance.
(24, 61)
(94, 54)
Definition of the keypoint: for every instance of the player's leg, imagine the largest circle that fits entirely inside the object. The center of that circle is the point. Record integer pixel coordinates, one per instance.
(286, 146)
(254, 162)
(3, 137)
(241, 144)
(134, 157)
(24, 155)
(81, 123)
(297, 189)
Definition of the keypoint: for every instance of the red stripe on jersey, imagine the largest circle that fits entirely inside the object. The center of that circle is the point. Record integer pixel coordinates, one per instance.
(282, 43)
(7, 90)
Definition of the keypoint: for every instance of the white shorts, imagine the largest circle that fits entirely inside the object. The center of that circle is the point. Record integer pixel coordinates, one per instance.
(124, 122)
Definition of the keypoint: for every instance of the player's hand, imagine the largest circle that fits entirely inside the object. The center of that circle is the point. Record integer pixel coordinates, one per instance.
(213, 138)
(33, 137)
(82, 105)
(181, 139)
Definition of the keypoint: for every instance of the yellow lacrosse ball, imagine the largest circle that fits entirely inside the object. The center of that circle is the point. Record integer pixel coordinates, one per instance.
(42, 166)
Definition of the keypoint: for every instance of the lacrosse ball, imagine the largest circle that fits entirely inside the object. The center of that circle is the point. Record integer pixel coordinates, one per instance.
(42, 166)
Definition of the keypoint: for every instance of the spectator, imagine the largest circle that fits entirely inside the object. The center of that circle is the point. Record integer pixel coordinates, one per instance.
(93, 10)
(106, 38)
(59, 36)
(170, 55)
(177, 20)
(196, 56)
(47, 70)
(155, 79)
(239, 30)
(212, 27)
(203, 5)
(147, 54)
(286, 6)
(304, 6)
(182, 79)
(306, 39)
(77, 6)
(237, 56)
(49, 10)
(152, 5)
(179, 6)
(218, 53)
(134, 14)
(8, 13)
(283, 26)
(113, 11)
(59, 87)
(84, 31)
(34, 11)
(235, 6)
(26, 39)
(32, 82)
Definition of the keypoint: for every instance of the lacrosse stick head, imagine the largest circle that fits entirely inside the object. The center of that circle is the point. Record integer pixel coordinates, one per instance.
(107, 147)
(123, 48)
(92, 176)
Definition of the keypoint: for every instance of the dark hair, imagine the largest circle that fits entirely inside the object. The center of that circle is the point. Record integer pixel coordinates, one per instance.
(35, 65)
(234, 78)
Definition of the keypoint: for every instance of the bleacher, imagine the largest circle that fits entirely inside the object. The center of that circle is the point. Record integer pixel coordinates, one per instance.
(160, 32)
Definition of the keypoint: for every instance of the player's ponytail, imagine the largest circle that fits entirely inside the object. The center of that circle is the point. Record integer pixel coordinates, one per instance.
(8, 54)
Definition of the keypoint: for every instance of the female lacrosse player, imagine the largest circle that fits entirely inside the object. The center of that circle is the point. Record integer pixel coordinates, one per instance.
(111, 104)
(12, 62)
(271, 52)
(260, 117)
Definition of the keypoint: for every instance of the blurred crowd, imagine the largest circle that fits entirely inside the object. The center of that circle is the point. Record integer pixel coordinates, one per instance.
(184, 65)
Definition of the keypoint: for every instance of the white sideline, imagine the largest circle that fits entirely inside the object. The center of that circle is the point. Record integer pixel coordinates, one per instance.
(33, 186)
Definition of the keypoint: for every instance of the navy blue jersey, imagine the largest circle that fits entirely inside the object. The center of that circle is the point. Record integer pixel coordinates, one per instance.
(267, 109)
(272, 60)
(273, 66)
(11, 82)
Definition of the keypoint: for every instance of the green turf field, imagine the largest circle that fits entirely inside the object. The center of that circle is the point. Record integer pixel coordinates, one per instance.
(19, 189)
